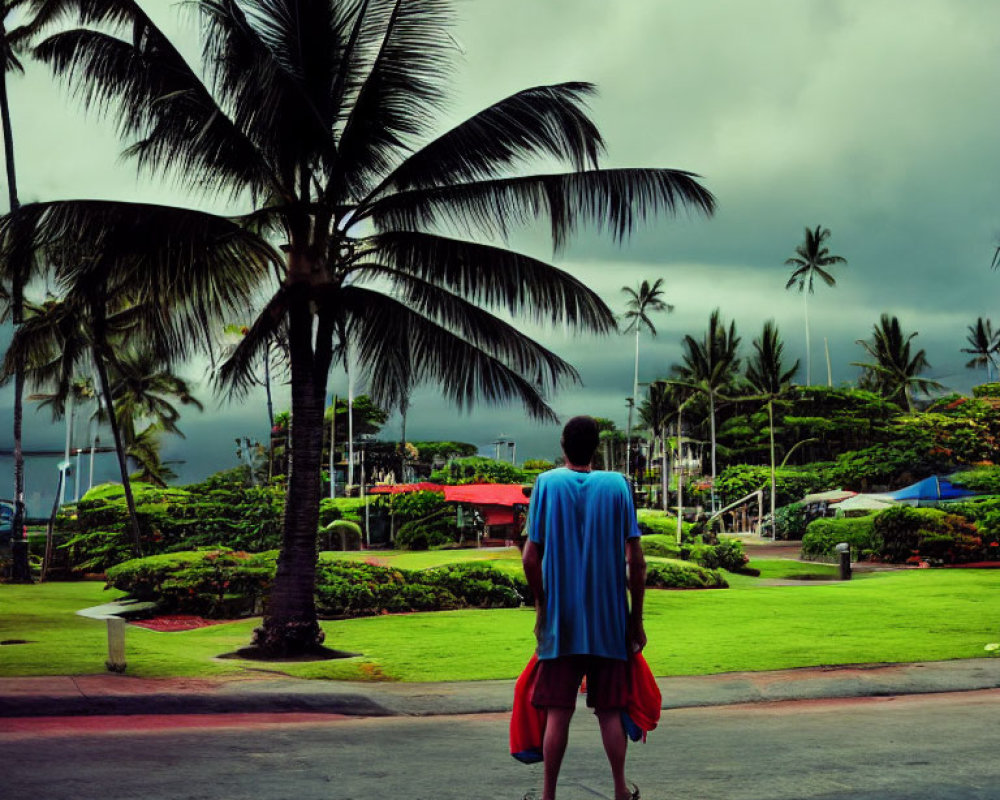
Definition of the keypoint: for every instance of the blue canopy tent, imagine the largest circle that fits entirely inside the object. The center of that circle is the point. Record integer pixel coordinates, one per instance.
(929, 492)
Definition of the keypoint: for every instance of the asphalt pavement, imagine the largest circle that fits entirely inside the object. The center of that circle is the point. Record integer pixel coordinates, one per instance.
(113, 694)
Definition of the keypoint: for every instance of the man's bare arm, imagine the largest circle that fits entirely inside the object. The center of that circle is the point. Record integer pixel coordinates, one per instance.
(531, 560)
(636, 561)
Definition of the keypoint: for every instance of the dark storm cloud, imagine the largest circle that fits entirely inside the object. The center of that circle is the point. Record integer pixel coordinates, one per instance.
(878, 119)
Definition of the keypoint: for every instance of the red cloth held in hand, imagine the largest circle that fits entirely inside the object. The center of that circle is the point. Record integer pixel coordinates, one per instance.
(527, 723)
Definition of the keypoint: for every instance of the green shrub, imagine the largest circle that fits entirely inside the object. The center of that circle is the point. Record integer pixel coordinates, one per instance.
(424, 534)
(790, 483)
(980, 479)
(928, 534)
(212, 583)
(790, 521)
(986, 390)
(329, 511)
(662, 545)
(824, 534)
(476, 469)
(671, 574)
(479, 585)
(652, 521)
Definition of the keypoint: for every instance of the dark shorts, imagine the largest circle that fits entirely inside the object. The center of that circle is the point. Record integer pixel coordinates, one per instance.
(559, 679)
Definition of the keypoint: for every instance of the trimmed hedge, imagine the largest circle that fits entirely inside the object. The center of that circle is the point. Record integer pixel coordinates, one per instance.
(652, 521)
(901, 534)
(673, 574)
(728, 554)
(224, 583)
(824, 534)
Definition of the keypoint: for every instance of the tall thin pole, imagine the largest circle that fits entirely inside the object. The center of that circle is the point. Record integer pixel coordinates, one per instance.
(680, 471)
(350, 421)
(333, 443)
(635, 393)
(829, 369)
(70, 415)
(805, 295)
(770, 417)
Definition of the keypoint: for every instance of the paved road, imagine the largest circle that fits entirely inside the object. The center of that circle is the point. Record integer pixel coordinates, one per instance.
(919, 747)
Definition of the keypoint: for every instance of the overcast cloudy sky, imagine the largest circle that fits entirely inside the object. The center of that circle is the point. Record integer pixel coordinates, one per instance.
(879, 119)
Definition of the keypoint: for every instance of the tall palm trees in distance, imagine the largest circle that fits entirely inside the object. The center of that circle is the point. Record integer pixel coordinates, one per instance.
(318, 116)
(984, 346)
(648, 298)
(812, 260)
(709, 366)
(895, 368)
(769, 375)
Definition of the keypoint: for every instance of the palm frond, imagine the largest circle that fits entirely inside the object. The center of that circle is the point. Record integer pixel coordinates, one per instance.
(615, 200)
(235, 376)
(185, 268)
(493, 276)
(172, 121)
(537, 122)
(479, 328)
(393, 343)
(399, 63)
(272, 65)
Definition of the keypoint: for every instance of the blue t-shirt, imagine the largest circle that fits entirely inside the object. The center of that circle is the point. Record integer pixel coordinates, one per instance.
(581, 520)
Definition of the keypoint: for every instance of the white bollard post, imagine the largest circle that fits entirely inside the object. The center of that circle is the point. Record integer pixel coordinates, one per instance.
(116, 645)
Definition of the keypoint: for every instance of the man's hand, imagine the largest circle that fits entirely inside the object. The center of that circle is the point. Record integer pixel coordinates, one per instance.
(636, 635)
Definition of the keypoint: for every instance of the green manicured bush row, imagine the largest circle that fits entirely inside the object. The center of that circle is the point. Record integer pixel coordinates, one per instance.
(823, 535)
(653, 521)
(213, 583)
(673, 574)
(727, 554)
(223, 583)
(902, 534)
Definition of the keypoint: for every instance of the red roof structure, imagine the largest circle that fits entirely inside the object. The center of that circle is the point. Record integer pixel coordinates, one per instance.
(496, 500)
(486, 494)
(400, 488)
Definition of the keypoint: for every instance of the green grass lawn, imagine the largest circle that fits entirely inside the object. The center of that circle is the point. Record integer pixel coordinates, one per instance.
(912, 615)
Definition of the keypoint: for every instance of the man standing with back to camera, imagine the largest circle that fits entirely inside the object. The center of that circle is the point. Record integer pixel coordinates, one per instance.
(582, 531)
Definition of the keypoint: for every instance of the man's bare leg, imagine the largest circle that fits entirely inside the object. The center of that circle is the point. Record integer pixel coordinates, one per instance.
(615, 746)
(554, 747)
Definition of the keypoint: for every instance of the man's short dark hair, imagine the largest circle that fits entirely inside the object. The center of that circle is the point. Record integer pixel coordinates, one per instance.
(579, 440)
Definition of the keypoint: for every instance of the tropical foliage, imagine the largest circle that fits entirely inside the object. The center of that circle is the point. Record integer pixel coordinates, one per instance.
(894, 371)
(360, 220)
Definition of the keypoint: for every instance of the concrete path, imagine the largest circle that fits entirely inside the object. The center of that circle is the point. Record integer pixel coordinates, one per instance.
(109, 694)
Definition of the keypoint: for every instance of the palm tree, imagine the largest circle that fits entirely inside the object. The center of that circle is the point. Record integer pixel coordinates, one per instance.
(984, 344)
(709, 367)
(655, 414)
(768, 376)
(811, 260)
(15, 298)
(647, 298)
(895, 370)
(312, 114)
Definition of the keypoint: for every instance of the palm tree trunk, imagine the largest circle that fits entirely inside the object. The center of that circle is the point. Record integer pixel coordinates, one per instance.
(770, 421)
(101, 357)
(290, 625)
(19, 570)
